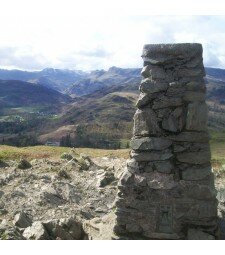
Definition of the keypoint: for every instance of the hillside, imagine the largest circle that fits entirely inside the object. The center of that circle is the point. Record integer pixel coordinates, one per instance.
(24, 107)
(100, 115)
(102, 79)
(53, 78)
(216, 73)
(24, 94)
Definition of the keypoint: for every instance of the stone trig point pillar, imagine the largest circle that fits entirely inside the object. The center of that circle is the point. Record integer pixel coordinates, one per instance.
(167, 190)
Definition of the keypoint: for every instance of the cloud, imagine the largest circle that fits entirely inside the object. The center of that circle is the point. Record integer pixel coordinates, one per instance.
(98, 42)
(13, 57)
(96, 53)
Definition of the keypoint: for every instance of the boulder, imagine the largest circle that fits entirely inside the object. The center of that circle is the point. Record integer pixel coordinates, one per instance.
(22, 220)
(68, 192)
(9, 232)
(66, 156)
(64, 229)
(36, 231)
(63, 174)
(48, 194)
(105, 179)
(24, 164)
(3, 164)
(83, 161)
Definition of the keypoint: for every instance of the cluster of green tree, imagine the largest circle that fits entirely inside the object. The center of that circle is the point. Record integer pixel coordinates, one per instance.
(84, 137)
(66, 141)
(21, 140)
(18, 126)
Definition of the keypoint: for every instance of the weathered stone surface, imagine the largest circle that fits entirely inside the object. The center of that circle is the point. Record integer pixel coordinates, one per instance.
(176, 89)
(151, 156)
(191, 96)
(158, 54)
(9, 232)
(144, 99)
(201, 192)
(145, 123)
(167, 190)
(105, 179)
(195, 173)
(197, 116)
(198, 158)
(145, 72)
(164, 102)
(22, 220)
(147, 143)
(49, 195)
(64, 229)
(187, 72)
(134, 228)
(126, 178)
(200, 213)
(164, 167)
(161, 181)
(140, 180)
(24, 164)
(36, 232)
(148, 168)
(158, 73)
(149, 87)
(196, 234)
(196, 86)
(191, 137)
(174, 122)
(163, 113)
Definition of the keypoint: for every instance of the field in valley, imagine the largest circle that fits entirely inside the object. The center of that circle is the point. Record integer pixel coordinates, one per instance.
(38, 152)
(13, 153)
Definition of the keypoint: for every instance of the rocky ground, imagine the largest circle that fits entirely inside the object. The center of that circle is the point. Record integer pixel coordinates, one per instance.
(74, 188)
(69, 198)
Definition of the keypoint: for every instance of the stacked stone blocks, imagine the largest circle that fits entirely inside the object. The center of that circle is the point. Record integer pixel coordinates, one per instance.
(167, 190)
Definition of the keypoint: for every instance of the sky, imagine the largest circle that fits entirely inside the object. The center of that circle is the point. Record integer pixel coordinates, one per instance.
(89, 35)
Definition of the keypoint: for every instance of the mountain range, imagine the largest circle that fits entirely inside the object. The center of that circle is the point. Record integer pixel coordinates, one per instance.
(96, 107)
(53, 78)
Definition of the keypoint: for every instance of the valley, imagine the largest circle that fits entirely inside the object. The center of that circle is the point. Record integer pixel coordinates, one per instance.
(92, 109)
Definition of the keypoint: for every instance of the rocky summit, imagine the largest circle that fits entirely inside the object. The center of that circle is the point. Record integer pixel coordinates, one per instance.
(164, 191)
(167, 189)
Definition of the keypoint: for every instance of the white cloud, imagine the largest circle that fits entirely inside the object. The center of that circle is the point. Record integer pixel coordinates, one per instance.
(88, 38)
